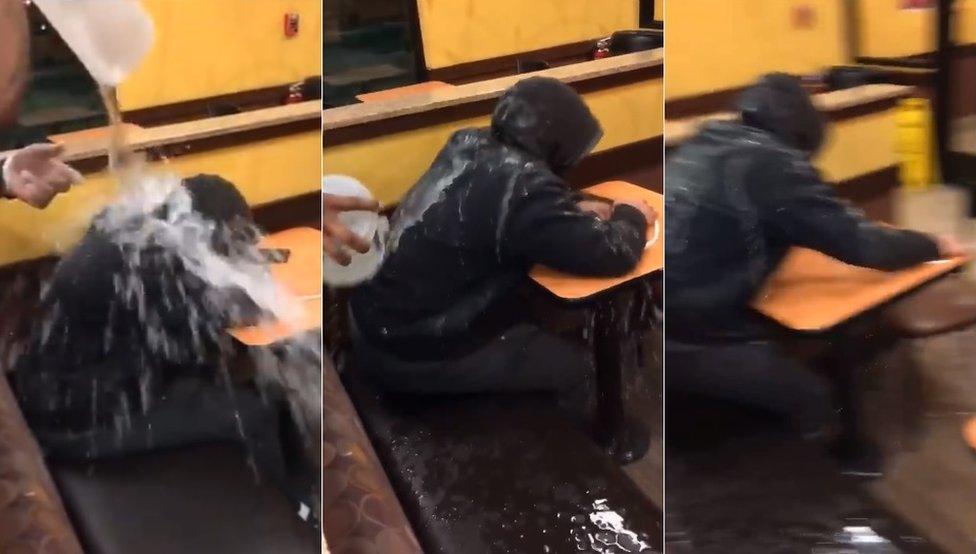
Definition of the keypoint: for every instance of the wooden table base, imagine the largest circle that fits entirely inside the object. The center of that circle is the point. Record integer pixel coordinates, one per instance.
(625, 438)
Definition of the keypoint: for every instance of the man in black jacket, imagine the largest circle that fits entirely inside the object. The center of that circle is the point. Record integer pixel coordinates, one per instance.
(739, 195)
(441, 316)
(129, 353)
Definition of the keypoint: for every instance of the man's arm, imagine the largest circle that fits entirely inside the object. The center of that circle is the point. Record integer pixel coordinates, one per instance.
(543, 224)
(14, 58)
(804, 211)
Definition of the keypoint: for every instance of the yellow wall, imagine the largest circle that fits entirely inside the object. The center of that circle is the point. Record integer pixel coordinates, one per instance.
(889, 32)
(459, 31)
(859, 146)
(211, 47)
(264, 171)
(886, 31)
(965, 22)
(628, 113)
(722, 44)
(659, 10)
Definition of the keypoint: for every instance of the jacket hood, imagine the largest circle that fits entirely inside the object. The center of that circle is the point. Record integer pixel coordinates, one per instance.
(547, 119)
(778, 104)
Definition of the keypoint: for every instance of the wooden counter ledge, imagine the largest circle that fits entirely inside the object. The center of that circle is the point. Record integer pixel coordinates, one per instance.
(358, 114)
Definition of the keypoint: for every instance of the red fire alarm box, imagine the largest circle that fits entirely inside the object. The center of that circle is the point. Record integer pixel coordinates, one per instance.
(291, 24)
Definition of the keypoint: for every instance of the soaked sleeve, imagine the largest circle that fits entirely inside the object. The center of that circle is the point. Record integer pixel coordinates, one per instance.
(803, 210)
(541, 223)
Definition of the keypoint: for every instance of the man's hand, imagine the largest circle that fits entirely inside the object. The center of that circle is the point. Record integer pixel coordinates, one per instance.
(35, 175)
(643, 207)
(602, 210)
(950, 247)
(337, 235)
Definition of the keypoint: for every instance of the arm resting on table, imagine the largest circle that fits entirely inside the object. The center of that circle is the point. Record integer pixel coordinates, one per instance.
(804, 211)
(545, 226)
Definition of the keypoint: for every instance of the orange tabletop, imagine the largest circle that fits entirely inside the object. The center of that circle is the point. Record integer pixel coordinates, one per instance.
(301, 275)
(574, 287)
(401, 92)
(308, 318)
(811, 291)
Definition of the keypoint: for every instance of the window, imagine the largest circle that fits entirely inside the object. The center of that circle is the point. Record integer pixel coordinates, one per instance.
(648, 11)
(61, 97)
(369, 45)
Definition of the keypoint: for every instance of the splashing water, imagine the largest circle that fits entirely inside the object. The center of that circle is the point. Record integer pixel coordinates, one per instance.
(188, 236)
(154, 213)
(126, 164)
(176, 261)
(610, 536)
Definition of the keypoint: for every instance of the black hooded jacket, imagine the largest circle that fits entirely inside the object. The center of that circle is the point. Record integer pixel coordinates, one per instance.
(492, 204)
(112, 335)
(740, 194)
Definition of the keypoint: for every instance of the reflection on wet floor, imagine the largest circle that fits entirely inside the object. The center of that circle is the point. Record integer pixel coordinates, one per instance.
(738, 483)
(643, 382)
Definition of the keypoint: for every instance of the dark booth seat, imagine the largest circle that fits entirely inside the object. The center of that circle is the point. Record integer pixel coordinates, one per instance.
(197, 499)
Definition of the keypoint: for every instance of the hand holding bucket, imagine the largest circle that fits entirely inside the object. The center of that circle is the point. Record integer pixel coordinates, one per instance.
(354, 236)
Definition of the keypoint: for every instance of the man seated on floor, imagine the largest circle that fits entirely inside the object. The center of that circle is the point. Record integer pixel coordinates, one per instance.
(740, 194)
(131, 351)
(442, 316)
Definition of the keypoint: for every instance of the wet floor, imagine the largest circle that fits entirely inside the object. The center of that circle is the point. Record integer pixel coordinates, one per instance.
(737, 482)
(643, 377)
(932, 481)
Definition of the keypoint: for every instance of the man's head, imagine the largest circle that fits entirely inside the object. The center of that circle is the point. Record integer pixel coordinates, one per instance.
(777, 103)
(218, 200)
(548, 119)
(14, 58)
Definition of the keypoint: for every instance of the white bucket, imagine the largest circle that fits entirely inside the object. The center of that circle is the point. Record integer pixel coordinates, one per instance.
(369, 225)
(110, 37)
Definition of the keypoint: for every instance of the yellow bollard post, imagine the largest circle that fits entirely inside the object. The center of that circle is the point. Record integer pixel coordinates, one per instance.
(916, 151)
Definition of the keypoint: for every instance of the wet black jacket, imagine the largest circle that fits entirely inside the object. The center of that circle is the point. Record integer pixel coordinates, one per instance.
(739, 195)
(116, 326)
(492, 204)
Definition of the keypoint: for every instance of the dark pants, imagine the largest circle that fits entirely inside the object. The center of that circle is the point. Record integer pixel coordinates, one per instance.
(524, 358)
(757, 374)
